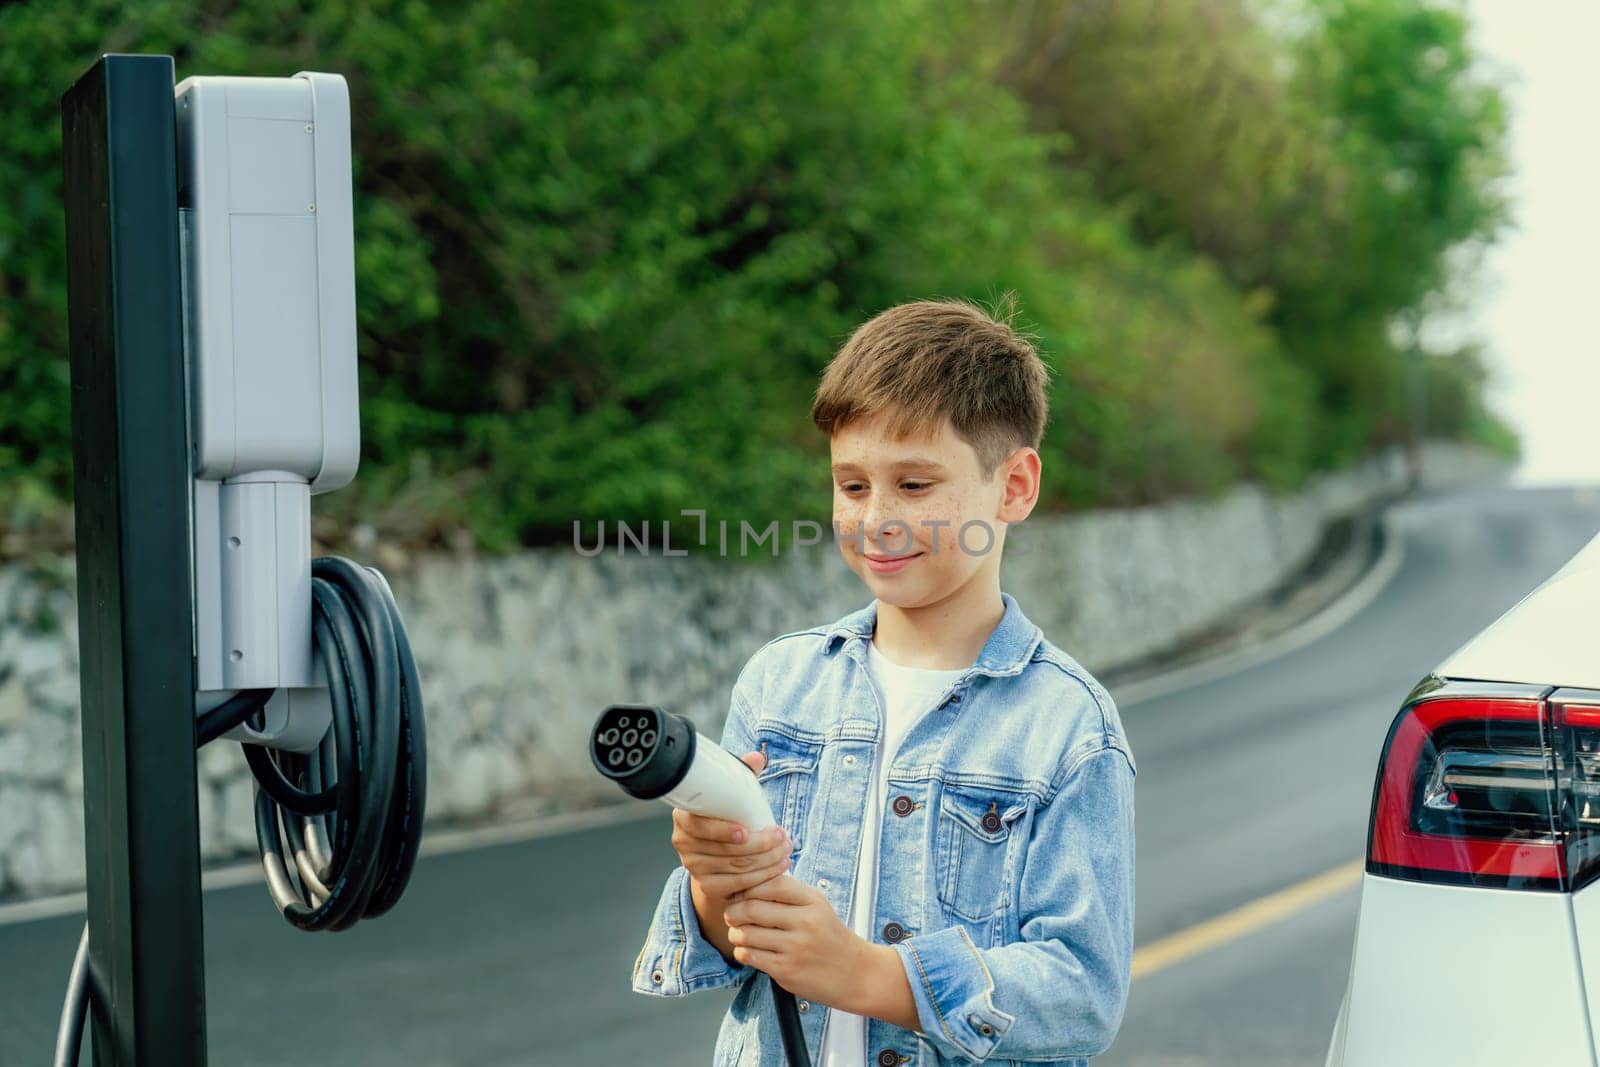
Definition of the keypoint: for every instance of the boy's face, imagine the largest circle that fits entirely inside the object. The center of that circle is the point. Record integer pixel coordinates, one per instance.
(914, 517)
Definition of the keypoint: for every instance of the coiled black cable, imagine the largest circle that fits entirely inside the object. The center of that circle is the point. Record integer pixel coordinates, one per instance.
(367, 778)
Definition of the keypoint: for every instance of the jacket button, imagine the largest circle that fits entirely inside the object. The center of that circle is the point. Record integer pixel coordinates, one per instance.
(805, 1005)
(822, 883)
(888, 1058)
(893, 932)
(903, 805)
(991, 823)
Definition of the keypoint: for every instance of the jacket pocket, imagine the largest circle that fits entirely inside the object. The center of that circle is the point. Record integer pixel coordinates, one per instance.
(973, 842)
(789, 778)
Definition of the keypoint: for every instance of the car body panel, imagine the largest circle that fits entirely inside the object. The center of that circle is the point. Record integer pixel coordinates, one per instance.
(1586, 929)
(1549, 637)
(1429, 954)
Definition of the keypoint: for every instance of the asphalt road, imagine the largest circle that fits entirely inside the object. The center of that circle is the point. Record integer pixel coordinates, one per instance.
(520, 954)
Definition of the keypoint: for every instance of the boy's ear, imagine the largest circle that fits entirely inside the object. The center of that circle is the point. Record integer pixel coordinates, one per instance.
(1019, 485)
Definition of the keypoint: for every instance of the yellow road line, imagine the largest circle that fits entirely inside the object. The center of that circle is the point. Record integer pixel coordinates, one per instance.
(1201, 937)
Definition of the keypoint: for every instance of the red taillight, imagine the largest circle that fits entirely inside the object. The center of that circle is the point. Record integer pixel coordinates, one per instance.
(1575, 741)
(1484, 788)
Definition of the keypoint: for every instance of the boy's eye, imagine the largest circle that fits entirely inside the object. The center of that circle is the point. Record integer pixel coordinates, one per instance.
(851, 487)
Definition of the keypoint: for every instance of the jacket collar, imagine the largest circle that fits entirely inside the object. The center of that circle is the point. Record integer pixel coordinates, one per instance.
(1007, 651)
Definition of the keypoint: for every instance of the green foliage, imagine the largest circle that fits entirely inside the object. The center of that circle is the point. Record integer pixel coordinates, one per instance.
(1327, 168)
(604, 250)
(1454, 387)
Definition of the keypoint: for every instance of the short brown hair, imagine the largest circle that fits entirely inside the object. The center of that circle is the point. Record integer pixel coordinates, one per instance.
(929, 359)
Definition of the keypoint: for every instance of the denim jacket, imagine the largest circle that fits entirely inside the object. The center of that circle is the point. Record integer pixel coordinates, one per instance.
(1007, 856)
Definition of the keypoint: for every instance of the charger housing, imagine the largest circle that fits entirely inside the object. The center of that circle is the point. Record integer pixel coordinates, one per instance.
(266, 233)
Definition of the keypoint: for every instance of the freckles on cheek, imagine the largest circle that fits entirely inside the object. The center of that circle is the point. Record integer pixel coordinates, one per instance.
(944, 535)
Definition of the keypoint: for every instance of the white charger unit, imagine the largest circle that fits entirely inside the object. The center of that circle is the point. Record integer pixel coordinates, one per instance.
(268, 256)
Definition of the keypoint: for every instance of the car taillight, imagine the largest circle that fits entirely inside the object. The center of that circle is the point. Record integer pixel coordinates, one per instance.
(1575, 738)
(1490, 787)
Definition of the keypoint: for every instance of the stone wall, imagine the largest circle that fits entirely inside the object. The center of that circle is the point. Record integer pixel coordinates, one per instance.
(518, 654)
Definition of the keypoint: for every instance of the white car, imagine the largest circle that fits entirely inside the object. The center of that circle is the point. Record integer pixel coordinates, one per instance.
(1478, 935)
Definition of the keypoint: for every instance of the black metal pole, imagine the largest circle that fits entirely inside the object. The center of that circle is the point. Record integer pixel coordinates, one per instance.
(130, 453)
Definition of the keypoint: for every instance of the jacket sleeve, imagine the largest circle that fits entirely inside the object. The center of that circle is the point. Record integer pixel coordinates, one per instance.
(676, 958)
(1060, 991)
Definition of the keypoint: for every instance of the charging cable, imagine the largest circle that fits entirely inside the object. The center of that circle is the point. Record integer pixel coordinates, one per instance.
(351, 810)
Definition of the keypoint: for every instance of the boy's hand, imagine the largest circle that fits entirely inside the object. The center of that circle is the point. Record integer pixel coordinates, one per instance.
(789, 930)
(721, 855)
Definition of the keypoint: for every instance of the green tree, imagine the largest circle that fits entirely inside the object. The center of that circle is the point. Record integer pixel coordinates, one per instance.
(604, 250)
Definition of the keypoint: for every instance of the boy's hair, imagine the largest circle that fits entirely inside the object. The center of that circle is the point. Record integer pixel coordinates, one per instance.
(929, 359)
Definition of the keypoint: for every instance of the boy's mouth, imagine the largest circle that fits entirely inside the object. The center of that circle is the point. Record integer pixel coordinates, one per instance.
(889, 564)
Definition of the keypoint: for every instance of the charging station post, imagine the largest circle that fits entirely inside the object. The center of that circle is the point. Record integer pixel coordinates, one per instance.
(132, 487)
(211, 306)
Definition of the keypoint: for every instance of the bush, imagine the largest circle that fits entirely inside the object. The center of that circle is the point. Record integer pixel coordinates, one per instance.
(604, 251)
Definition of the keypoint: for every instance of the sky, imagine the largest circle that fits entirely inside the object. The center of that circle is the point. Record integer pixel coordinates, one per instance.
(1538, 293)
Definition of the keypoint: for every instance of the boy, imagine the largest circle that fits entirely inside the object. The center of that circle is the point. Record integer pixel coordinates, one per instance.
(954, 791)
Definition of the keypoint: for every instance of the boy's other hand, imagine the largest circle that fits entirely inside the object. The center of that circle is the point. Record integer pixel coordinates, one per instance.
(721, 855)
(788, 929)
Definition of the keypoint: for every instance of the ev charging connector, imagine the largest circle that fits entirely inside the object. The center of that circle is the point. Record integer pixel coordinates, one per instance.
(656, 755)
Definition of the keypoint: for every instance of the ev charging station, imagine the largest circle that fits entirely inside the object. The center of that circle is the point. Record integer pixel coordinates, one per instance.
(211, 299)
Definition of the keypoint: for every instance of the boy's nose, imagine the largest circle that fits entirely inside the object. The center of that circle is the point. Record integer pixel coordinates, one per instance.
(886, 531)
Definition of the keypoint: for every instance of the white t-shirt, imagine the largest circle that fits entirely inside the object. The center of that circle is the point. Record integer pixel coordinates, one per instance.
(907, 694)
